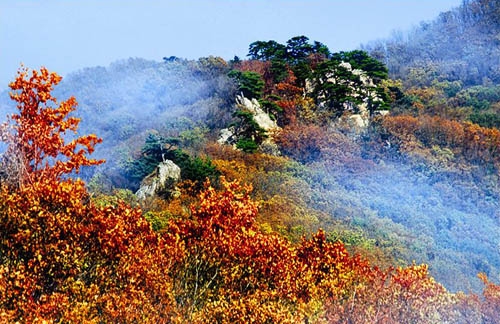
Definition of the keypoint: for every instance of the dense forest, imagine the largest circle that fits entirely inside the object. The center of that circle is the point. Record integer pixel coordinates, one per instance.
(302, 185)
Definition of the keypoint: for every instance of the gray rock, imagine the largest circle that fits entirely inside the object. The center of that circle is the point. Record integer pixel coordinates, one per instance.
(161, 182)
(259, 115)
(229, 136)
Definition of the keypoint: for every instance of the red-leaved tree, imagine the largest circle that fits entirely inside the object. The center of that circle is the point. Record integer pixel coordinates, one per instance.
(39, 142)
(62, 258)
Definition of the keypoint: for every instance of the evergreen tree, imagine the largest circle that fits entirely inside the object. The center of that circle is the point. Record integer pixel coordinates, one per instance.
(249, 83)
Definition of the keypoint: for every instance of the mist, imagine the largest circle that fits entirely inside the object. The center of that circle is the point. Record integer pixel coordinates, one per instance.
(447, 218)
(125, 101)
(444, 219)
(459, 45)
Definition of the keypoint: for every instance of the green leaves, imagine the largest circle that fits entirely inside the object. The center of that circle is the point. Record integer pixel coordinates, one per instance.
(249, 83)
(158, 148)
(363, 61)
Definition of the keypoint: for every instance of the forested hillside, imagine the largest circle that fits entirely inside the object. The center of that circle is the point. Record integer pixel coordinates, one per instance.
(303, 185)
(460, 45)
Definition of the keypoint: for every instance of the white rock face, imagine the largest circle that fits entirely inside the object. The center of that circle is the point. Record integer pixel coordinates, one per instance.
(360, 120)
(163, 179)
(259, 115)
(367, 81)
(227, 135)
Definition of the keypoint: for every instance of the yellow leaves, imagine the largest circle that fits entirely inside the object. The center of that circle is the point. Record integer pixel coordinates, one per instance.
(465, 139)
(66, 258)
(105, 264)
(249, 232)
(259, 307)
(483, 277)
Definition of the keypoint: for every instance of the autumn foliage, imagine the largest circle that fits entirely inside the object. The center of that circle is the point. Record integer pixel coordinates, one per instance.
(40, 129)
(474, 143)
(64, 258)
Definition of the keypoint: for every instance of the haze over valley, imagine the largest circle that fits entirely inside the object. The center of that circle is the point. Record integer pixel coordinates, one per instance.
(374, 175)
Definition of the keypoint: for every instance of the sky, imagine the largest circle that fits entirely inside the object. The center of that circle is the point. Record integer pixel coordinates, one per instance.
(68, 35)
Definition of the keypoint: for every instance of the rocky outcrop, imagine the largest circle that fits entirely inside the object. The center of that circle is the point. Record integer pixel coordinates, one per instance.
(162, 182)
(259, 115)
(357, 116)
(226, 135)
(230, 136)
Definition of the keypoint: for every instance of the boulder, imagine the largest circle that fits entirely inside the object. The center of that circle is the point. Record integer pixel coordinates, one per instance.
(162, 182)
(225, 135)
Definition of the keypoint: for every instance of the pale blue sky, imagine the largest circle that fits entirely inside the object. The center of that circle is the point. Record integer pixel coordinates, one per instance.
(67, 35)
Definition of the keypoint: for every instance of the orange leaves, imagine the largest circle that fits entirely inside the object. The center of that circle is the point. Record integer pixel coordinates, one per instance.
(40, 129)
(228, 256)
(233, 272)
(63, 259)
(66, 260)
(331, 272)
(258, 307)
(59, 251)
(407, 277)
(407, 295)
(36, 87)
(490, 307)
(476, 144)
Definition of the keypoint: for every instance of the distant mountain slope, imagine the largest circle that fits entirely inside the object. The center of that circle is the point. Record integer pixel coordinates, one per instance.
(461, 44)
